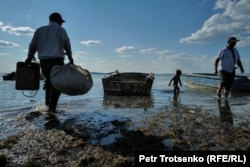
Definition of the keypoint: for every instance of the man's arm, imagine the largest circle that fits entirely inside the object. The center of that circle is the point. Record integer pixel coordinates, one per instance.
(32, 49)
(67, 48)
(216, 62)
(240, 65)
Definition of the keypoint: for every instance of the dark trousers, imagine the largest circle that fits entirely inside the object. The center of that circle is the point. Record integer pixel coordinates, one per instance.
(51, 94)
(227, 79)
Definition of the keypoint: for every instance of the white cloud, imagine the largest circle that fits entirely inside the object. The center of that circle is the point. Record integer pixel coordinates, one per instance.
(221, 4)
(127, 49)
(165, 52)
(7, 44)
(174, 58)
(172, 61)
(232, 20)
(92, 42)
(147, 51)
(80, 55)
(125, 56)
(167, 60)
(18, 30)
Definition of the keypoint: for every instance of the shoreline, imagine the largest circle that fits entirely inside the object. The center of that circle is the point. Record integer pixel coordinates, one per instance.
(114, 142)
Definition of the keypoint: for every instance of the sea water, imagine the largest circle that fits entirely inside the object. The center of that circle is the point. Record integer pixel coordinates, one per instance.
(94, 109)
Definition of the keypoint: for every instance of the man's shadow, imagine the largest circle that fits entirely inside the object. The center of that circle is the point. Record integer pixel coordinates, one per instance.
(226, 116)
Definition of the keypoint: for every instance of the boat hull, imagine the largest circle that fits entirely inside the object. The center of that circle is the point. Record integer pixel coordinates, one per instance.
(135, 84)
(211, 81)
(10, 76)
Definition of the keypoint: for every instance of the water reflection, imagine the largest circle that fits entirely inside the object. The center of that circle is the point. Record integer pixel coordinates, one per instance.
(175, 102)
(226, 116)
(52, 122)
(128, 101)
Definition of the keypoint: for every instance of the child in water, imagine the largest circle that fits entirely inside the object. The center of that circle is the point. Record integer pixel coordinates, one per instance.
(176, 79)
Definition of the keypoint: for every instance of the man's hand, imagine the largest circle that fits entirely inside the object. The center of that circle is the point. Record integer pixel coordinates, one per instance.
(242, 70)
(28, 61)
(71, 61)
(216, 72)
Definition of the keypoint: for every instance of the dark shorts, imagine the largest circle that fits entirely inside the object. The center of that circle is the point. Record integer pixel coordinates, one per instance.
(227, 79)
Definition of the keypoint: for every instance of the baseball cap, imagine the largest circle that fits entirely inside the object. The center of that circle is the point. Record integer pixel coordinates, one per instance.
(56, 17)
(232, 39)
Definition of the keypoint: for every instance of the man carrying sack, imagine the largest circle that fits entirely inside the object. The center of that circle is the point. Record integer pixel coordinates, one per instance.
(51, 42)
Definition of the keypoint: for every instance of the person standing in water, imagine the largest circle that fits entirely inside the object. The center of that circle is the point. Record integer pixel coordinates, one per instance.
(227, 59)
(51, 42)
(176, 80)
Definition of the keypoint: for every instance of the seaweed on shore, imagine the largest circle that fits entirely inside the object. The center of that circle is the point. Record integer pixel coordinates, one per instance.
(79, 143)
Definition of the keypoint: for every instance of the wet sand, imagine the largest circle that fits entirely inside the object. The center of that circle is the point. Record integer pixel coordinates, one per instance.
(108, 134)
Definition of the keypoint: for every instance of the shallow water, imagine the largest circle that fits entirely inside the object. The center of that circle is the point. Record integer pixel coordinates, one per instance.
(101, 118)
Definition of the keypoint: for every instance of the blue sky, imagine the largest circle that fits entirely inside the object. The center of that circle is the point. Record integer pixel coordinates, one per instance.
(157, 36)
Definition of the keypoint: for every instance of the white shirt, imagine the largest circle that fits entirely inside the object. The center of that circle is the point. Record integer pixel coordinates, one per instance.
(226, 59)
(50, 41)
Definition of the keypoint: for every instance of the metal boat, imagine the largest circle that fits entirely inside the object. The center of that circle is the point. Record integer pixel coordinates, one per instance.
(128, 83)
(211, 81)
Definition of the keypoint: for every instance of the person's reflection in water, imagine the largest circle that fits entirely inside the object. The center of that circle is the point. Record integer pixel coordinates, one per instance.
(226, 116)
(52, 122)
(176, 103)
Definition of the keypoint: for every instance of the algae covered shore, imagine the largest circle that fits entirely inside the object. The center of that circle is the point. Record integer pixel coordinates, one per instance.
(110, 134)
